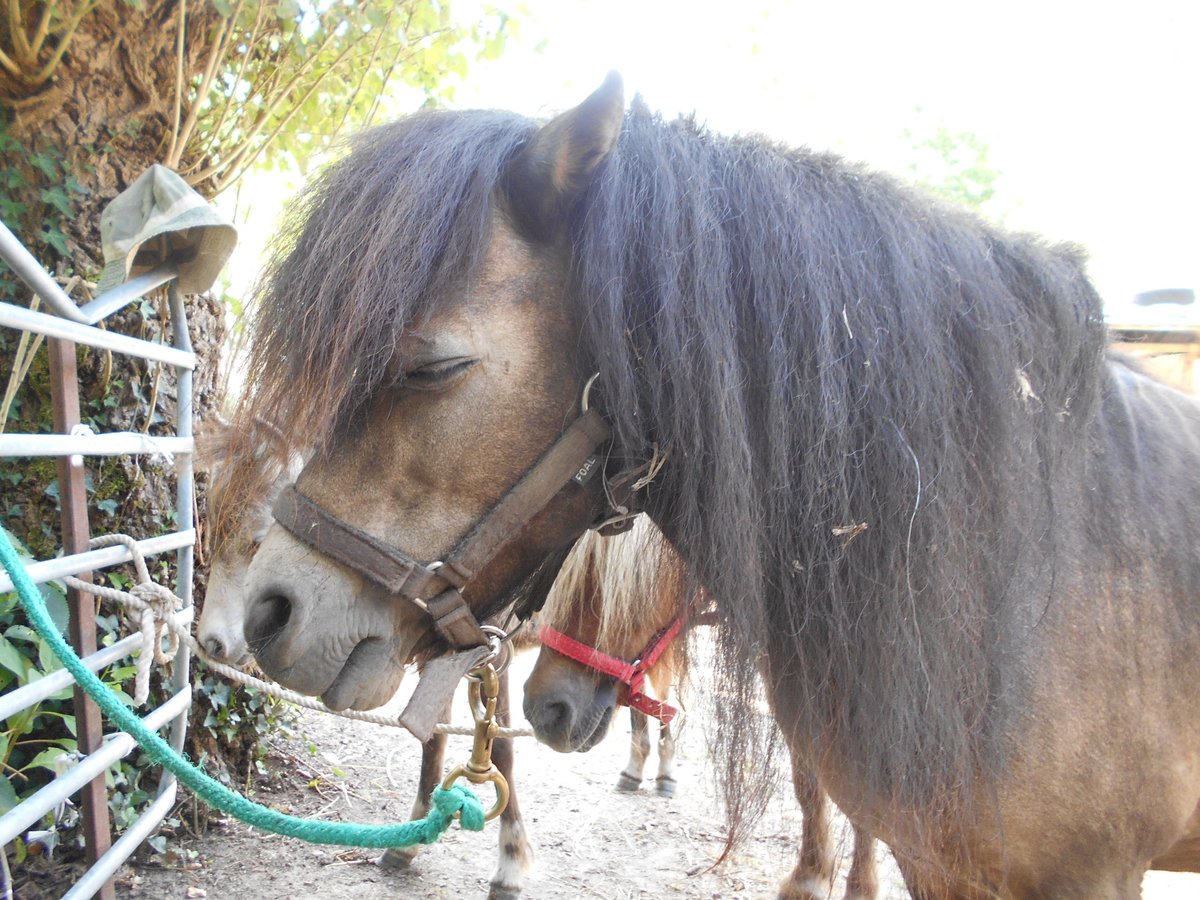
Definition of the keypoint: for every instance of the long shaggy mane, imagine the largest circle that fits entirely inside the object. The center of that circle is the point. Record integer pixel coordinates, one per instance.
(374, 246)
(864, 396)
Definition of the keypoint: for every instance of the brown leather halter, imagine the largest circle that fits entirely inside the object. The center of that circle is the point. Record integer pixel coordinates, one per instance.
(437, 587)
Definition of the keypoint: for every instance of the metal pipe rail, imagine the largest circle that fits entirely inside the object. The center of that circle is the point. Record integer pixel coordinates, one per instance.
(37, 691)
(143, 826)
(105, 557)
(111, 443)
(81, 333)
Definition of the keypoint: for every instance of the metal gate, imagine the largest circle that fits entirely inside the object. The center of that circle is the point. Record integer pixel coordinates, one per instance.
(68, 326)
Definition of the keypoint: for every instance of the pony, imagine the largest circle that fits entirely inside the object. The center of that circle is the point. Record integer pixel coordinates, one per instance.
(945, 534)
(219, 630)
(613, 595)
(621, 596)
(237, 534)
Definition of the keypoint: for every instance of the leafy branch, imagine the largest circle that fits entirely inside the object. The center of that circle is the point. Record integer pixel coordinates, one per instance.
(278, 74)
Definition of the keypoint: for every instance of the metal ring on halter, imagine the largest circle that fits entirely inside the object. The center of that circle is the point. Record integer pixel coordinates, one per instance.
(499, 651)
(587, 392)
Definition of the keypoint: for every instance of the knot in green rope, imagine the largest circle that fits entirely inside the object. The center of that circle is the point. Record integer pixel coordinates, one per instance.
(462, 800)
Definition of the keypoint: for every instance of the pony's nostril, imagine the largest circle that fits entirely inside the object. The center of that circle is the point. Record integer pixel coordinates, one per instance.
(265, 618)
(552, 720)
(558, 716)
(215, 648)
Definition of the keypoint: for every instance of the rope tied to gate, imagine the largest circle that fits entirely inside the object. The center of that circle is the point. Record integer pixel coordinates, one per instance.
(150, 605)
(446, 803)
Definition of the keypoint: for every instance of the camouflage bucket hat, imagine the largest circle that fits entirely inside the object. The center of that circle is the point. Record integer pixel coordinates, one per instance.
(160, 219)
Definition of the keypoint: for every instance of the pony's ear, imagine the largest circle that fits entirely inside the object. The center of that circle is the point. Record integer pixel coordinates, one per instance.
(550, 173)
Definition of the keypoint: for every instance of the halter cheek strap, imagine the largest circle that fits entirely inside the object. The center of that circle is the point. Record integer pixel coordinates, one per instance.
(632, 674)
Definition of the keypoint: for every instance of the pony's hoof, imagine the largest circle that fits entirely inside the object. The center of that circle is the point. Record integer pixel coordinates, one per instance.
(502, 892)
(627, 784)
(807, 888)
(396, 858)
(664, 785)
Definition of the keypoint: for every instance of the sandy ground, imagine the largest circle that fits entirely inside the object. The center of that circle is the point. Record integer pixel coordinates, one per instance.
(589, 840)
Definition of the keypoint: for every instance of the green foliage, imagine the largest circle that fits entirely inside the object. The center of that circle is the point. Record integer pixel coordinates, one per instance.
(294, 76)
(228, 723)
(37, 195)
(954, 165)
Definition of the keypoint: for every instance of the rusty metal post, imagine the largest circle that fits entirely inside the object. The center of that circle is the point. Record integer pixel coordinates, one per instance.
(64, 388)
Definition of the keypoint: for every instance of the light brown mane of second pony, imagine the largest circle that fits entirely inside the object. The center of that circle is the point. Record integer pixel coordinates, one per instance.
(627, 580)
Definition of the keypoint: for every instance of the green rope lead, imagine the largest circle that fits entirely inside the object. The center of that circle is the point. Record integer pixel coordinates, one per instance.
(446, 803)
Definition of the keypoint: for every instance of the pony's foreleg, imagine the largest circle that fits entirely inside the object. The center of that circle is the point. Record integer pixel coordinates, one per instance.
(862, 882)
(639, 749)
(813, 876)
(662, 677)
(665, 783)
(433, 753)
(516, 855)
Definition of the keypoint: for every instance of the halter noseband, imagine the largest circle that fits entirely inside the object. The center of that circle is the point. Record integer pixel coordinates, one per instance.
(573, 458)
(632, 674)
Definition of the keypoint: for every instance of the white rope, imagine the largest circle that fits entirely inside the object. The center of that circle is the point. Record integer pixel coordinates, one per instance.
(154, 607)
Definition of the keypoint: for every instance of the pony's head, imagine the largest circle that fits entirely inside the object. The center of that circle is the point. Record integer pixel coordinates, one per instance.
(613, 595)
(417, 327)
(235, 532)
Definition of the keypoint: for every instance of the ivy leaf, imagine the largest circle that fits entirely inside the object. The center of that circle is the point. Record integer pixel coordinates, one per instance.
(48, 660)
(56, 239)
(46, 164)
(12, 659)
(8, 796)
(45, 759)
(57, 197)
(56, 606)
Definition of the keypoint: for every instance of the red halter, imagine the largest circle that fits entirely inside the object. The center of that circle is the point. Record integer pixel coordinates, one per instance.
(632, 674)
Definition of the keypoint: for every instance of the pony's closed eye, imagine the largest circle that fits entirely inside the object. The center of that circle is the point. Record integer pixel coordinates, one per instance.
(436, 376)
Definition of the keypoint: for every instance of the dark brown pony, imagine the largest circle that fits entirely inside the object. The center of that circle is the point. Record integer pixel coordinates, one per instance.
(617, 595)
(952, 541)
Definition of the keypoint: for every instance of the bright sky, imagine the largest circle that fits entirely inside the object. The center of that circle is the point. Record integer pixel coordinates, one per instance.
(1090, 110)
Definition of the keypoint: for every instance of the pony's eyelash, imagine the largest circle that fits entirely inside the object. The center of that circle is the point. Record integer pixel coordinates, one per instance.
(438, 374)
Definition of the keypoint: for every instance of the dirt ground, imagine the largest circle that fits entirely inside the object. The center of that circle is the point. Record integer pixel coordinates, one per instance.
(589, 841)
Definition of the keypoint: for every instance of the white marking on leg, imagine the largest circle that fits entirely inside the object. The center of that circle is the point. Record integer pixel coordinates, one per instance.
(639, 750)
(516, 858)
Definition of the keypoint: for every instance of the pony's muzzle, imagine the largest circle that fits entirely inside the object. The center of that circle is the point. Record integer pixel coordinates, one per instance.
(568, 717)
